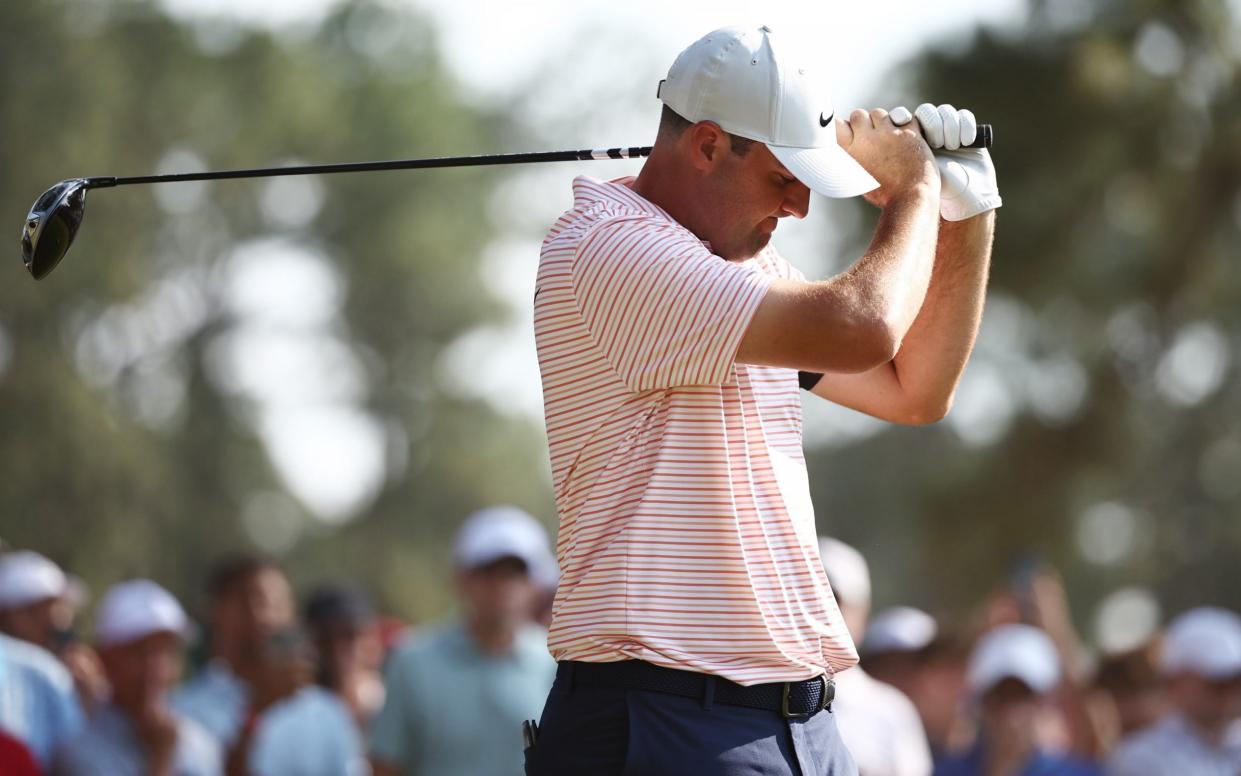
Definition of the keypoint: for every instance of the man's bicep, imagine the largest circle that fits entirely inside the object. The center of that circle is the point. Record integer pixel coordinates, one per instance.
(812, 327)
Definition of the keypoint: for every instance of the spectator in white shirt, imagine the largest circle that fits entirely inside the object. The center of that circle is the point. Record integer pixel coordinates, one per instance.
(1201, 664)
(878, 724)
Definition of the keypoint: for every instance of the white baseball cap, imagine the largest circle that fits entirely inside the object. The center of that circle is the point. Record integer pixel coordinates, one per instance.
(1020, 652)
(506, 532)
(26, 577)
(1205, 641)
(133, 610)
(847, 571)
(753, 84)
(899, 629)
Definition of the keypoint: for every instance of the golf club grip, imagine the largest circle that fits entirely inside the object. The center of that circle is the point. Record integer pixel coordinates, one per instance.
(985, 137)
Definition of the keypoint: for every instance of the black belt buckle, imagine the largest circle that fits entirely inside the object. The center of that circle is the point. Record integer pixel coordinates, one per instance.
(826, 697)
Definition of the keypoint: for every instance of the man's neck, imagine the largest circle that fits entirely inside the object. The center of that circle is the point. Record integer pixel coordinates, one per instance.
(492, 639)
(660, 184)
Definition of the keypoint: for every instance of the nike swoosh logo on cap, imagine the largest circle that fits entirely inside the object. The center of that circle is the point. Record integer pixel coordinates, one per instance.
(823, 122)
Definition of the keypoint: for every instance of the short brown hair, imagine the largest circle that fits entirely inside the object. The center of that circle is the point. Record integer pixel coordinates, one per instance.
(672, 125)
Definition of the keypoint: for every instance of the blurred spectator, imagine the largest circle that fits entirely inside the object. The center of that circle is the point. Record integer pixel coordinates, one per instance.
(878, 724)
(1036, 595)
(904, 648)
(38, 706)
(255, 694)
(248, 601)
(37, 601)
(295, 727)
(893, 639)
(1128, 694)
(38, 604)
(1201, 664)
(346, 635)
(457, 694)
(140, 632)
(1012, 673)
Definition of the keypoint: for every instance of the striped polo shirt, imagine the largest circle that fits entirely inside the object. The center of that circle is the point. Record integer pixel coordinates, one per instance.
(687, 536)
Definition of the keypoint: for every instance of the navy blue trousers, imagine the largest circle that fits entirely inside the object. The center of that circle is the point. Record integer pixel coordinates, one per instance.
(604, 731)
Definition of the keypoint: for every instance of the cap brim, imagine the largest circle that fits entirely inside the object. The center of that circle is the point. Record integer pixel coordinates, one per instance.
(828, 170)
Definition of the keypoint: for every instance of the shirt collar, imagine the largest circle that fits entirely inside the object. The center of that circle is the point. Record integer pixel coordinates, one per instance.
(619, 191)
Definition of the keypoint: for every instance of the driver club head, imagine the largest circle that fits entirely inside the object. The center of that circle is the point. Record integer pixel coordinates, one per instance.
(51, 225)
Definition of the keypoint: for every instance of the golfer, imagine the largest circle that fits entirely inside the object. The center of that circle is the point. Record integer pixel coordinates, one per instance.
(694, 626)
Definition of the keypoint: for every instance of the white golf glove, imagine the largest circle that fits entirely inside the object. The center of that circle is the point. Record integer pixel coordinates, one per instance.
(967, 176)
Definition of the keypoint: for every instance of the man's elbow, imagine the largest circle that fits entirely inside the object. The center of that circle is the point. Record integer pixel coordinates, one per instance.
(924, 411)
(869, 345)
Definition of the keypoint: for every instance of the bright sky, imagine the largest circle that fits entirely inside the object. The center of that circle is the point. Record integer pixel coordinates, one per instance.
(329, 452)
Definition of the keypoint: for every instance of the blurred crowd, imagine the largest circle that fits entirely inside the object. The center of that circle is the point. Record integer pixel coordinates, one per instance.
(331, 687)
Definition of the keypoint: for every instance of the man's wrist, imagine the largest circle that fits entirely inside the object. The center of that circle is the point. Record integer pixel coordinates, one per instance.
(919, 194)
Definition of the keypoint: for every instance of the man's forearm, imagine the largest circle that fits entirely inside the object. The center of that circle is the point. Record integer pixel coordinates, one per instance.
(934, 352)
(894, 275)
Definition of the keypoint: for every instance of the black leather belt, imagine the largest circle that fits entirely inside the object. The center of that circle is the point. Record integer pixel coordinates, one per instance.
(790, 699)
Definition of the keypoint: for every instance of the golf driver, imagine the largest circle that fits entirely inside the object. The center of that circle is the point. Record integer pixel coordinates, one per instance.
(56, 215)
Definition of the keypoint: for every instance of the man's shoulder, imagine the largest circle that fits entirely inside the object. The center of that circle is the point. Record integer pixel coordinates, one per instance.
(35, 664)
(429, 644)
(1157, 749)
(1147, 742)
(212, 683)
(103, 739)
(312, 707)
(194, 738)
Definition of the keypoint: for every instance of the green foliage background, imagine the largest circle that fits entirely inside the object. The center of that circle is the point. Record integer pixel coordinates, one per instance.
(1121, 231)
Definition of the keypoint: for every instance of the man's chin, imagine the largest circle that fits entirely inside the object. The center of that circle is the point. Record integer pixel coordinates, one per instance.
(746, 252)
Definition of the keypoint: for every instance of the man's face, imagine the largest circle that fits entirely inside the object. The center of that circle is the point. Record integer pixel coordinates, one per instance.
(142, 671)
(347, 648)
(745, 196)
(1009, 706)
(500, 593)
(35, 623)
(254, 608)
(1212, 704)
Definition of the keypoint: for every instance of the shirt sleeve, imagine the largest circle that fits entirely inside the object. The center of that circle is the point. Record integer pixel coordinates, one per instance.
(663, 310)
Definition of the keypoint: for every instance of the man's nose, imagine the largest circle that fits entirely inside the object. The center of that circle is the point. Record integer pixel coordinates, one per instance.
(796, 201)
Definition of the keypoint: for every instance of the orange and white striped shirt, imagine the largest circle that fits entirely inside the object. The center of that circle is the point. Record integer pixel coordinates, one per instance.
(687, 537)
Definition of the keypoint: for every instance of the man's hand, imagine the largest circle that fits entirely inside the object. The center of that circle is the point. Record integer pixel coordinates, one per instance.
(896, 157)
(157, 730)
(968, 176)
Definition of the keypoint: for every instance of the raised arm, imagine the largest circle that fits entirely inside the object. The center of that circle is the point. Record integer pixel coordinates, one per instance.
(858, 320)
(917, 386)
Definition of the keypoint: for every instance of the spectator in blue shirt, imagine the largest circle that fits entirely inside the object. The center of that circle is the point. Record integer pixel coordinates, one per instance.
(1011, 674)
(249, 600)
(37, 702)
(456, 694)
(140, 632)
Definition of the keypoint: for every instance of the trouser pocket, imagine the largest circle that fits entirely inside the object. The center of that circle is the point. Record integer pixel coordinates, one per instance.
(582, 731)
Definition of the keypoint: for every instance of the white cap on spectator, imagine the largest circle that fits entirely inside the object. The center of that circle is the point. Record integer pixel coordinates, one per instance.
(1205, 641)
(506, 532)
(846, 571)
(133, 610)
(899, 629)
(1020, 652)
(27, 577)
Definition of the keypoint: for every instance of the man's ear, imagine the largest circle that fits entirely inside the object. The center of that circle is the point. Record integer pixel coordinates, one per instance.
(706, 144)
